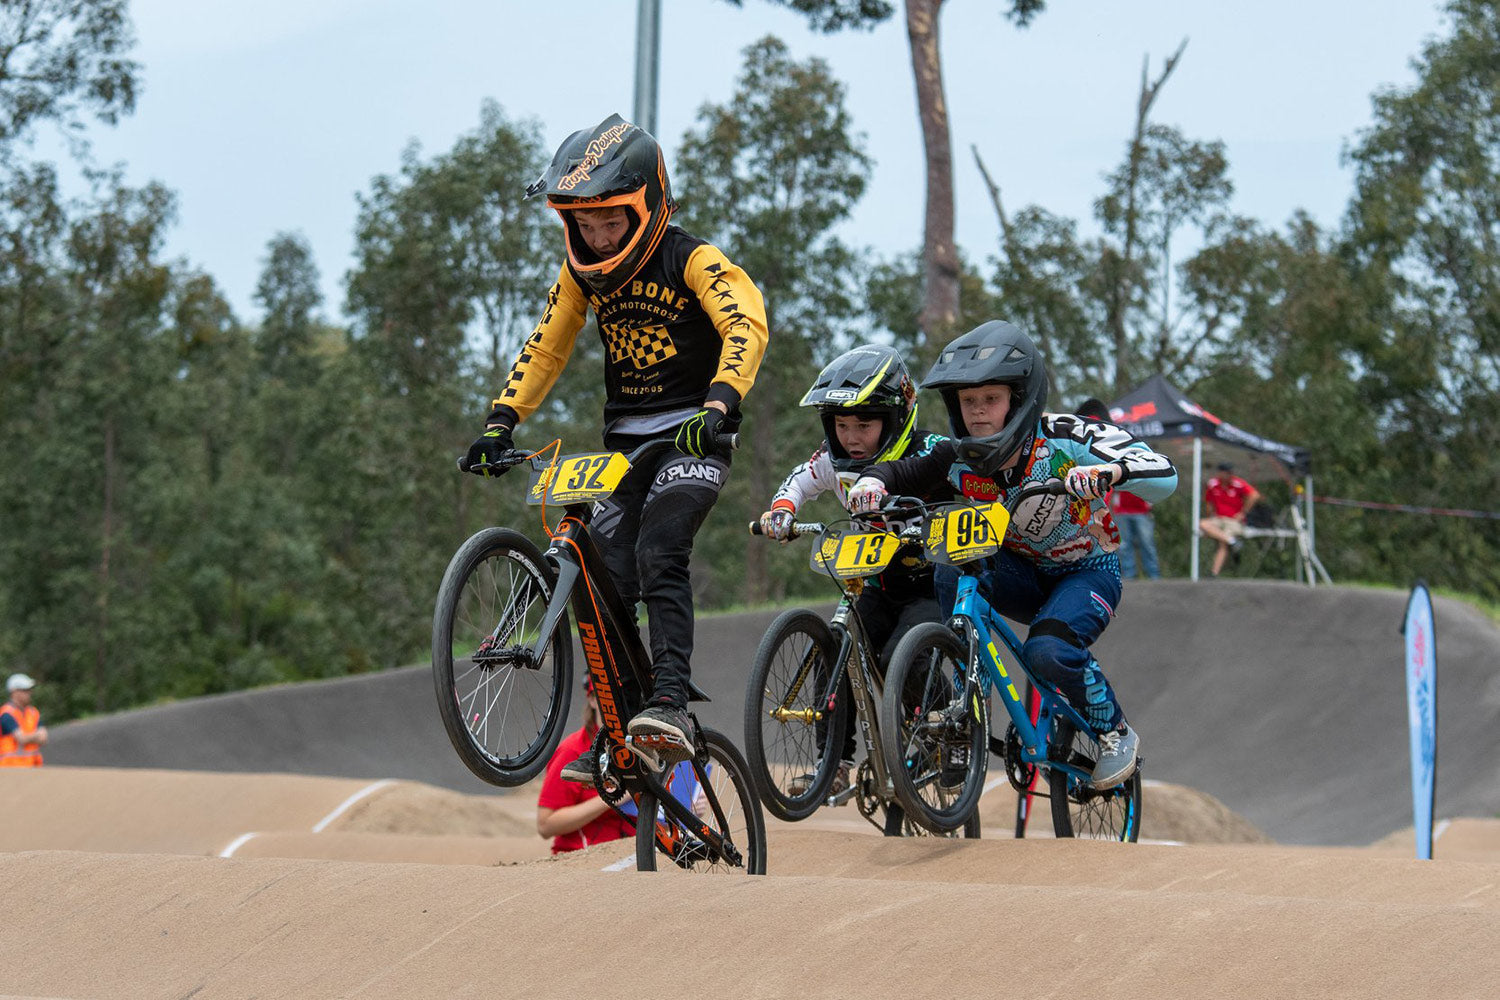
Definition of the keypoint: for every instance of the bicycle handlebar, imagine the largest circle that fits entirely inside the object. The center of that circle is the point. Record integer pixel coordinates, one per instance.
(723, 443)
(799, 528)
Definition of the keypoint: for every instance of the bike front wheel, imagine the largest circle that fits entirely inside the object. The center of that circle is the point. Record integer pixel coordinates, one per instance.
(937, 745)
(502, 706)
(788, 722)
(723, 781)
(1079, 809)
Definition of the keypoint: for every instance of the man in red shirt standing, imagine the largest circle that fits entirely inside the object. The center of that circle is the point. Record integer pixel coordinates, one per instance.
(573, 814)
(1228, 498)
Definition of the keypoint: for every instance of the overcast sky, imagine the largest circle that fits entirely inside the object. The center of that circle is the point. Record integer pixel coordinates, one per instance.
(271, 116)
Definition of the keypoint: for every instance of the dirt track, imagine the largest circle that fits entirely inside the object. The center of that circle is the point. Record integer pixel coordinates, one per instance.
(171, 880)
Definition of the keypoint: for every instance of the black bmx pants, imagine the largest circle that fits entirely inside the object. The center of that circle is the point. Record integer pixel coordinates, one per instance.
(646, 530)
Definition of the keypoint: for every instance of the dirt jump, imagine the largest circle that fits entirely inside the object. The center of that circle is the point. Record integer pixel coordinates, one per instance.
(323, 840)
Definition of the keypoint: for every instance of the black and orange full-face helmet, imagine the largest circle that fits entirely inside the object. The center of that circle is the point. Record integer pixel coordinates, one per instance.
(613, 165)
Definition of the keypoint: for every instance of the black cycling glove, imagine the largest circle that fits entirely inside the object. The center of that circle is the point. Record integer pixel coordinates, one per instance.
(487, 450)
(698, 435)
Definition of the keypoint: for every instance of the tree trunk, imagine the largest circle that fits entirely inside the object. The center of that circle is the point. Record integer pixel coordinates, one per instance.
(1124, 280)
(939, 313)
(106, 541)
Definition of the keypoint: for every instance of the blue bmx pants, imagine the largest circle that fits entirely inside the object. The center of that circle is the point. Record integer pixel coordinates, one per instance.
(1066, 610)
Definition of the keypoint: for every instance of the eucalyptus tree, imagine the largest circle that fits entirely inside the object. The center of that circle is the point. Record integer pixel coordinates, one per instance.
(941, 268)
(1423, 233)
(63, 61)
(766, 177)
(449, 256)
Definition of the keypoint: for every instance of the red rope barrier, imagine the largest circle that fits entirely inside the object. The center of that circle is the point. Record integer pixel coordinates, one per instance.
(1402, 508)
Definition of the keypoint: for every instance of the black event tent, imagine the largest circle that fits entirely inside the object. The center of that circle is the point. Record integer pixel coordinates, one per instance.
(1192, 436)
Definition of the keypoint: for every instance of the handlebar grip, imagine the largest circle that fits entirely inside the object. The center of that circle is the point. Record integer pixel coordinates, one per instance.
(727, 442)
(799, 528)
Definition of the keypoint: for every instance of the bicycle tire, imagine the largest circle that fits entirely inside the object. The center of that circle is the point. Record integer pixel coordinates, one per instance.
(897, 825)
(503, 720)
(729, 776)
(1080, 811)
(791, 652)
(929, 664)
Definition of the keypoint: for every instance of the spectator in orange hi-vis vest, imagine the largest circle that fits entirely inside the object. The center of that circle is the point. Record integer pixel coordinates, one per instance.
(21, 731)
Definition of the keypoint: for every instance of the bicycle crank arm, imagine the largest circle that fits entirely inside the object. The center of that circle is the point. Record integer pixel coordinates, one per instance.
(655, 750)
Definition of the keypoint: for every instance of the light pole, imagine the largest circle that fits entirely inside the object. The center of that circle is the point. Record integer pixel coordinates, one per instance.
(647, 57)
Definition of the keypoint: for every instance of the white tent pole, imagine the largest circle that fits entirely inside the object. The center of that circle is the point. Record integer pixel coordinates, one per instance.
(1197, 500)
(1307, 500)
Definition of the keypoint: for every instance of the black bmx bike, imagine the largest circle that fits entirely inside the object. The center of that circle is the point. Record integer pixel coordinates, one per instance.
(812, 679)
(502, 664)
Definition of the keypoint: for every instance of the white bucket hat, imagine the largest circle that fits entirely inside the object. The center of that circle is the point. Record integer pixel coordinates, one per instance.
(19, 682)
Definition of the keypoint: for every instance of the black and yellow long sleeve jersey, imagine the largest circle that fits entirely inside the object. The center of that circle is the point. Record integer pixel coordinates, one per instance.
(689, 327)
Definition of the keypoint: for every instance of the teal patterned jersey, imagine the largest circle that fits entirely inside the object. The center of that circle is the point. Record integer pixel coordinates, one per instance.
(1054, 532)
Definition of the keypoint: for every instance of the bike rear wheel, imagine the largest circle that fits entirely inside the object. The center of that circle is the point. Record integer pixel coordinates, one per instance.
(503, 710)
(936, 748)
(898, 825)
(728, 778)
(1080, 810)
(782, 701)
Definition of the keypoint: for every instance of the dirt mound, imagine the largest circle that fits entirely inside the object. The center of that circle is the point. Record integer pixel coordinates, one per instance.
(410, 809)
(1130, 920)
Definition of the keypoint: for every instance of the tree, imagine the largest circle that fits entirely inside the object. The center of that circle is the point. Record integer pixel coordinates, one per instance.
(938, 317)
(1422, 236)
(766, 177)
(61, 60)
(288, 292)
(449, 242)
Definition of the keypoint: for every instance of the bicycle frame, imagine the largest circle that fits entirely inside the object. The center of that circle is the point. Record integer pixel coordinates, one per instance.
(973, 617)
(864, 683)
(865, 686)
(620, 667)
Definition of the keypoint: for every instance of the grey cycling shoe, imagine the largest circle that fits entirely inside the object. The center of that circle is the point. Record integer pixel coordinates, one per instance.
(582, 768)
(1118, 749)
(665, 729)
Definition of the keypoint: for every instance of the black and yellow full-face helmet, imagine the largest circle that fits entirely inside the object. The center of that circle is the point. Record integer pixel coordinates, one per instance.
(867, 382)
(613, 165)
(993, 353)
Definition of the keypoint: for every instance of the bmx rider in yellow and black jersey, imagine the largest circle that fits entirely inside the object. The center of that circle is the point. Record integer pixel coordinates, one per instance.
(684, 331)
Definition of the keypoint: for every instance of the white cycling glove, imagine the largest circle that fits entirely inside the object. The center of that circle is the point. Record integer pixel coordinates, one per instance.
(777, 524)
(866, 495)
(1091, 482)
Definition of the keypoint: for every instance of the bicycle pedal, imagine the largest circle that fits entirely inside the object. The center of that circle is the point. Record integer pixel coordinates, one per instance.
(841, 798)
(659, 749)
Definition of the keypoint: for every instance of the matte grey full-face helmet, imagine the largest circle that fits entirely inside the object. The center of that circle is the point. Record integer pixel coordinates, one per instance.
(993, 353)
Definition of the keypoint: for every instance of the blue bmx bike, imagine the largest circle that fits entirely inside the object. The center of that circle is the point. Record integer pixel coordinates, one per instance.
(936, 702)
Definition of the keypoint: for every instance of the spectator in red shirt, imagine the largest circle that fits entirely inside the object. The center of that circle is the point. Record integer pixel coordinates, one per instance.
(573, 814)
(1228, 498)
(1131, 514)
